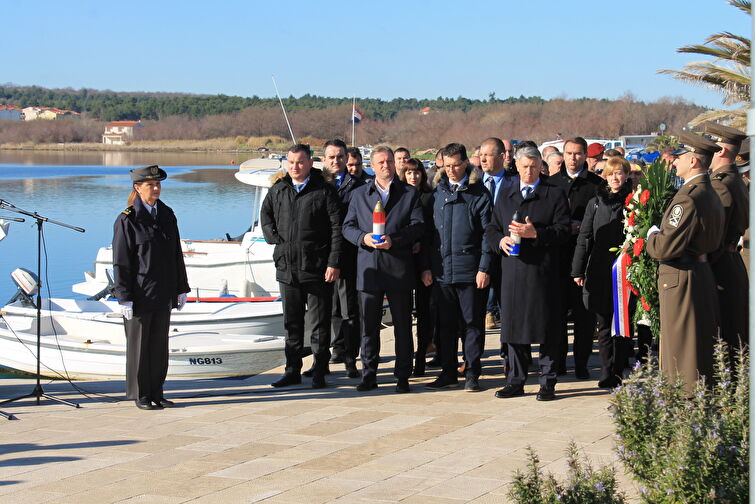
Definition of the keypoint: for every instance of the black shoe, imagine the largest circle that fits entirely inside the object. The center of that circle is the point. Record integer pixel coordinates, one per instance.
(286, 380)
(311, 371)
(546, 394)
(582, 373)
(318, 382)
(336, 359)
(472, 385)
(352, 371)
(164, 403)
(609, 383)
(443, 382)
(402, 386)
(434, 363)
(510, 391)
(144, 403)
(366, 386)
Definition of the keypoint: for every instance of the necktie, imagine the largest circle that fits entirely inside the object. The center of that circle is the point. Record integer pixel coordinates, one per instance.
(154, 213)
(454, 187)
(526, 191)
(338, 181)
(491, 187)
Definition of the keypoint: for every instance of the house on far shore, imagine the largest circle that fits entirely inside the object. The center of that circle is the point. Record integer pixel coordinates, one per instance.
(48, 113)
(11, 112)
(120, 132)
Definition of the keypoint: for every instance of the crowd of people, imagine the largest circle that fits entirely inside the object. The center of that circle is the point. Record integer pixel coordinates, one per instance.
(508, 237)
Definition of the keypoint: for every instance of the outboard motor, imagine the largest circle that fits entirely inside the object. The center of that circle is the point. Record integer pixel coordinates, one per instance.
(28, 286)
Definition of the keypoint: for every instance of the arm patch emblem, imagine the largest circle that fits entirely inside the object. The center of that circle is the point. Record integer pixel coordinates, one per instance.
(676, 215)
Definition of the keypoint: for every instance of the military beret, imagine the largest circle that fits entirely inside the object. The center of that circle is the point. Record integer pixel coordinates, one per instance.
(724, 134)
(145, 173)
(690, 142)
(595, 149)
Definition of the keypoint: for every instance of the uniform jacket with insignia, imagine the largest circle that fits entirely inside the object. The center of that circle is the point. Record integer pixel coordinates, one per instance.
(305, 227)
(734, 196)
(147, 259)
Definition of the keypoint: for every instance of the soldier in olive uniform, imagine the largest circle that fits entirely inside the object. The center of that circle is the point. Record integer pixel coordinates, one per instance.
(728, 267)
(691, 229)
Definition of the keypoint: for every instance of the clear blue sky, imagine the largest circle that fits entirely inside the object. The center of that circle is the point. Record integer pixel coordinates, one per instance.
(384, 49)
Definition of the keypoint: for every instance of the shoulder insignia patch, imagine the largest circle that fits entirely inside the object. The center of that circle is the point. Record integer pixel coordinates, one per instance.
(720, 176)
(676, 215)
(128, 211)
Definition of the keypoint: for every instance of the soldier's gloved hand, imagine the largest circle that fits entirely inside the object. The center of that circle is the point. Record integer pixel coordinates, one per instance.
(653, 229)
(181, 301)
(127, 310)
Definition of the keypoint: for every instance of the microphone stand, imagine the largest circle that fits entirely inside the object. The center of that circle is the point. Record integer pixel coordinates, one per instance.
(38, 391)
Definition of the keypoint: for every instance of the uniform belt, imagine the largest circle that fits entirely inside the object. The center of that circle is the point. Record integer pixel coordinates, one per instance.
(687, 259)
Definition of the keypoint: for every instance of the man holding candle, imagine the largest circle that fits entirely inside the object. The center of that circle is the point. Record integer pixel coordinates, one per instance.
(385, 267)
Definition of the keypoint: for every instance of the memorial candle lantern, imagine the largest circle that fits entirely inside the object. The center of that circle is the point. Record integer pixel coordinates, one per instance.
(378, 222)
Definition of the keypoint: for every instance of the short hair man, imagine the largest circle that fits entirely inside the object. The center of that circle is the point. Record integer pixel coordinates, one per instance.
(531, 276)
(354, 164)
(301, 216)
(594, 154)
(691, 229)
(460, 262)
(401, 155)
(385, 268)
(580, 186)
(345, 314)
(555, 161)
(508, 157)
(728, 267)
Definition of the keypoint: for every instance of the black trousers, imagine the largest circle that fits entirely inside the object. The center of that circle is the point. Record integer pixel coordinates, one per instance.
(519, 360)
(614, 350)
(425, 312)
(371, 305)
(298, 299)
(584, 326)
(147, 354)
(345, 320)
(465, 304)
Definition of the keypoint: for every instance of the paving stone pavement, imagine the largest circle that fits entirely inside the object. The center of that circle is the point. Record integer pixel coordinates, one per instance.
(241, 441)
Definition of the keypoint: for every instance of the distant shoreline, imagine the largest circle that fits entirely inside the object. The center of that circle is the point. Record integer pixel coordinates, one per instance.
(214, 145)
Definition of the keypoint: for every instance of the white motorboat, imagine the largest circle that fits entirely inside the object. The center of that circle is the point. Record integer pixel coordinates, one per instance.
(242, 267)
(85, 339)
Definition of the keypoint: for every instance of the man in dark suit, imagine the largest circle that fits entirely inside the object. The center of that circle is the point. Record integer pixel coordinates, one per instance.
(345, 320)
(580, 186)
(301, 215)
(385, 268)
(529, 277)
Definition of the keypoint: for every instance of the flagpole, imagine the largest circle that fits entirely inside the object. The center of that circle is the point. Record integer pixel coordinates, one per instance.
(353, 119)
(284, 110)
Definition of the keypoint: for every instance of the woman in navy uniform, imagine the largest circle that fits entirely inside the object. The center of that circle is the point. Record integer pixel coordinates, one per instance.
(150, 280)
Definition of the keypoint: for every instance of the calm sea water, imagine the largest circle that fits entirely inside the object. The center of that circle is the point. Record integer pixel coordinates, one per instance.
(206, 198)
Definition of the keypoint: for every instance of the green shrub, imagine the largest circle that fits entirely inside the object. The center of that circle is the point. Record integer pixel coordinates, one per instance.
(583, 483)
(684, 449)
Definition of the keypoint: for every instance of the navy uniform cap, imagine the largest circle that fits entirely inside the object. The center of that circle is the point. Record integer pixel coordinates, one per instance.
(690, 142)
(743, 158)
(145, 173)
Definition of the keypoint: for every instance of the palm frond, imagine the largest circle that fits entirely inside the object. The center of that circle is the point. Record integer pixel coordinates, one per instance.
(743, 5)
(736, 118)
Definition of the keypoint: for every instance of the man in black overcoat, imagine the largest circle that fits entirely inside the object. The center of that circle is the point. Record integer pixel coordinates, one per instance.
(580, 186)
(301, 216)
(385, 268)
(532, 276)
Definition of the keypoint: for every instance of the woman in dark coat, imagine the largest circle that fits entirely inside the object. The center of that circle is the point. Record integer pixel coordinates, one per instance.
(603, 229)
(415, 175)
(150, 280)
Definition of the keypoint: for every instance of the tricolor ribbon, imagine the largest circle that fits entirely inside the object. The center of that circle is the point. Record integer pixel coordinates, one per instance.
(621, 291)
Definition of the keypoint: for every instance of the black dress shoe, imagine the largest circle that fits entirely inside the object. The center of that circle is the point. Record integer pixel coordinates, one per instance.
(337, 359)
(144, 403)
(352, 371)
(164, 403)
(582, 373)
(286, 380)
(318, 382)
(443, 382)
(311, 371)
(402, 386)
(510, 391)
(546, 394)
(609, 383)
(472, 385)
(366, 386)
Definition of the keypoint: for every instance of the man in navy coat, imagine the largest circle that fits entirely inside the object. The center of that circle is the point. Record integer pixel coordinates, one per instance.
(385, 268)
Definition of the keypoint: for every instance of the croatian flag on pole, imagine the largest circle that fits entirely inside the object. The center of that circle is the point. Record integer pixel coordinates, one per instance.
(357, 115)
